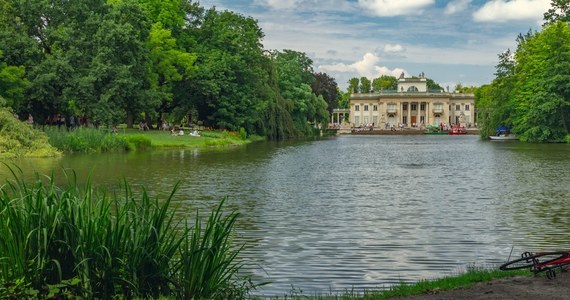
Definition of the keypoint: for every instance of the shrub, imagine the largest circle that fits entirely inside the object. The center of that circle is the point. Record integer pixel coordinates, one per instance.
(19, 139)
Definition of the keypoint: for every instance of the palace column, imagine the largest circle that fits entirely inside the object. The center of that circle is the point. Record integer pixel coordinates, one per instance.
(409, 123)
(427, 113)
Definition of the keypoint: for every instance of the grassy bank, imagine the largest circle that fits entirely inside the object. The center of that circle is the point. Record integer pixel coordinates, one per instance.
(85, 140)
(462, 280)
(80, 242)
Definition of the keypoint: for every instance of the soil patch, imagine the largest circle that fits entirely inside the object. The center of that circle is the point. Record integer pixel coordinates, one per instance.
(520, 288)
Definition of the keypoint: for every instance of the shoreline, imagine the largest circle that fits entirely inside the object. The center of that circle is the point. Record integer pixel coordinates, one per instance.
(405, 131)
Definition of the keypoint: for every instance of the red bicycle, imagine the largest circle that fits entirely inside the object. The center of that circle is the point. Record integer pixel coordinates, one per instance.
(538, 262)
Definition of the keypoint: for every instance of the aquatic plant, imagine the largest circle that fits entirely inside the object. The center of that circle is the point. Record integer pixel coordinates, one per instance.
(58, 241)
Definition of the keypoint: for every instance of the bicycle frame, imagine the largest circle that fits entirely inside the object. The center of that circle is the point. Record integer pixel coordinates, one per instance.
(538, 262)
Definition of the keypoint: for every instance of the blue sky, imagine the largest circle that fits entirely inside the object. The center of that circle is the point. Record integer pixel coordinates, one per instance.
(453, 41)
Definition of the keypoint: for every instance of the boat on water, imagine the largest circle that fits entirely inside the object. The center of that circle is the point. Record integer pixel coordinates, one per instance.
(456, 129)
(432, 129)
(504, 134)
(503, 137)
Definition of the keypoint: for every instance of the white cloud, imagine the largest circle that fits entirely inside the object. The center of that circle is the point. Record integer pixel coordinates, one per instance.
(279, 4)
(367, 67)
(501, 11)
(393, 48)
(456, 6)
(390, 8)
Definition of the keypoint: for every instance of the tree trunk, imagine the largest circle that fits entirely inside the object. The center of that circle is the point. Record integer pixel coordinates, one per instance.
(130, 120)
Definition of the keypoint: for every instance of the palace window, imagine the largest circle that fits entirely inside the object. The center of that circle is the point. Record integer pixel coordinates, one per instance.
(467, 107)
(357, 108)
(422, 119)
(414, 106)
(422, 107)
(375, 108)
(365, 107)
(457, 107)
(404, 106)
(413, 89)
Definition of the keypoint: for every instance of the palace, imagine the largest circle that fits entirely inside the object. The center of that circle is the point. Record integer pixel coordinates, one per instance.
(412, 105)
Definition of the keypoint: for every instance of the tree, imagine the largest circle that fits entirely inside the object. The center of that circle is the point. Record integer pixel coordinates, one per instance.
(384, 82)
(559, 11)
(230, 80)
(433, 86)
(542, 87)
(12, 85)
(353, 85)
(365, 85)
(326, 86)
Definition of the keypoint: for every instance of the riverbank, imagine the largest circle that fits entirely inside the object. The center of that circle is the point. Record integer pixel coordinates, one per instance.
(518, 287)
(203, 138)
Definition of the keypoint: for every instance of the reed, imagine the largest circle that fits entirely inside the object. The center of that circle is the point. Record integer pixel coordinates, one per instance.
(57, 241)
(83, 139)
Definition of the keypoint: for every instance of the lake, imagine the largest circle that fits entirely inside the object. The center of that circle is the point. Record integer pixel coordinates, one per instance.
(356, 212)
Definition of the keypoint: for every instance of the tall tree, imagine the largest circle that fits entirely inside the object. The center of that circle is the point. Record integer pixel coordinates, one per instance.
(326, 86)
(231, 75)
(354, 85)
(365, 85)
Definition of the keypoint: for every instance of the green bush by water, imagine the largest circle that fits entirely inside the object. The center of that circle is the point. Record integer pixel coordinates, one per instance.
(81, 242)
(19, 139)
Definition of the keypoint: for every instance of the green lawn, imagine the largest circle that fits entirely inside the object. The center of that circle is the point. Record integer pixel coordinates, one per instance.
(206, 138)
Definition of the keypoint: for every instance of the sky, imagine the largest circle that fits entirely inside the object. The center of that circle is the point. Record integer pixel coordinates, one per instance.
(453, 41)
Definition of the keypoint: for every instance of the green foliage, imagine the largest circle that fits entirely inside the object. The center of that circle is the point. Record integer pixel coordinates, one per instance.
(19, 139)
(365, 85)
(531, 92)
(114, 60)
(384, 82)
(326, 86)
(354, 85)
(559, 11)
(138, 141)
(12, 85)
(83, 139)
(77, 242)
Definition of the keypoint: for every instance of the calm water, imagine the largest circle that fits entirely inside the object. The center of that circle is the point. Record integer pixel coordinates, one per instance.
(361, 211)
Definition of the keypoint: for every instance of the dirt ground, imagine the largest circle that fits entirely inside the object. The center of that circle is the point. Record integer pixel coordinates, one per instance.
(519, 288)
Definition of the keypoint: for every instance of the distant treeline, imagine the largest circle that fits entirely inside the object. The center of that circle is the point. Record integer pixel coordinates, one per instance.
(123, 61)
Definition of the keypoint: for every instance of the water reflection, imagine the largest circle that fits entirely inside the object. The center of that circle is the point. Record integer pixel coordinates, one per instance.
(362, 211)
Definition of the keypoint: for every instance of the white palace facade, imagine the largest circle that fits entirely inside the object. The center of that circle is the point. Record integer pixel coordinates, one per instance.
(412, 105)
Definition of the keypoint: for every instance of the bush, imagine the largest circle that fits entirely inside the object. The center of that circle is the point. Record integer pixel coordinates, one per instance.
(80, 243)
(19, 139)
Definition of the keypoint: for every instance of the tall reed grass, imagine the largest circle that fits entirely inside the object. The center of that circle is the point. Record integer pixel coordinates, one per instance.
(93, 140)
(80, 242)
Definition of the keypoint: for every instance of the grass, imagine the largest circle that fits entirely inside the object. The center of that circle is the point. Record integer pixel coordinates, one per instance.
(469, 278)
(86, 140)
(472, 276)
(207, 138)
(81, 242)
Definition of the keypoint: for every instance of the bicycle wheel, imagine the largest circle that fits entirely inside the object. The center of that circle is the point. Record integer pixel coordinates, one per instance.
(528, 262)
